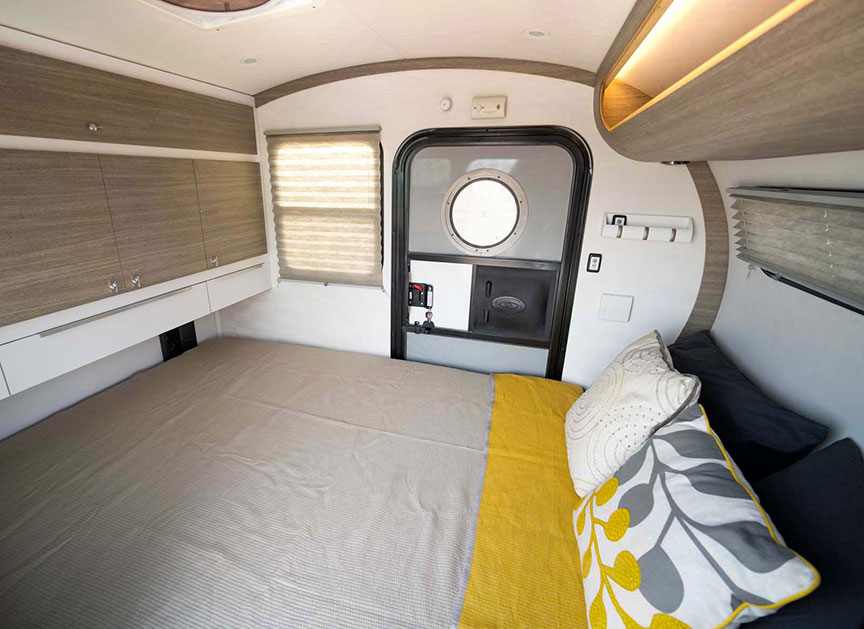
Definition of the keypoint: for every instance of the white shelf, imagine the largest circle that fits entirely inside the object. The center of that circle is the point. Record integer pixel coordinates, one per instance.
(58, 343)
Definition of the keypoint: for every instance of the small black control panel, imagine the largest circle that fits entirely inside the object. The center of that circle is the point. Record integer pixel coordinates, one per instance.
(594, 261)
(420, 295)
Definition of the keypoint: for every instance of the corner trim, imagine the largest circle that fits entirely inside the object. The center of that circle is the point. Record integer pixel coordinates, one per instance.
(716, 250)
(520, 66)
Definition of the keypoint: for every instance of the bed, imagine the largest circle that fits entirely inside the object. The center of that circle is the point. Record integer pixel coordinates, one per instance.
(253, 483)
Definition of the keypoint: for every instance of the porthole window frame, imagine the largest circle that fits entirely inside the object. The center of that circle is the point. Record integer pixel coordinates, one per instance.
(521, 208)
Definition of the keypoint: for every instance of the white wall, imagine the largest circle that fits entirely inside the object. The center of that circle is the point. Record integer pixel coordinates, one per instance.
(30, 406)
(37, 403)
(663, 278)
(806, 353)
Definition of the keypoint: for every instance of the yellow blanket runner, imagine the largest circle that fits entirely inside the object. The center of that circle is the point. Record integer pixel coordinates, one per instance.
(525, 567)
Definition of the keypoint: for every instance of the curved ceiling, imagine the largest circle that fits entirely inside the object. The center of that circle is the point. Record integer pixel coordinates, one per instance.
(337, 34)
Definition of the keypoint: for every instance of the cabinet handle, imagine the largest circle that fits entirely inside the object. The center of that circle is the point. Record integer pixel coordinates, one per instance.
(93, 127)
(214, 261)
(114, 287)
(108, 313)
(136, 281)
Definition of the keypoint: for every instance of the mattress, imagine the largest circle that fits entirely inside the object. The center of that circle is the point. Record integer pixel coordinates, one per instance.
(249, 483)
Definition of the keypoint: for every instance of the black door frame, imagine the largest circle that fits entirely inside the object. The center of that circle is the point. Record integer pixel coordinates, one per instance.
(580, 187)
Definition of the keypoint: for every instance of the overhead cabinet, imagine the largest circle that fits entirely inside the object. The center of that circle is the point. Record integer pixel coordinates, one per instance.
(154, 208)
(76, 228)
(57, 247)
(791, 85)
(229, 194)
(49, 98)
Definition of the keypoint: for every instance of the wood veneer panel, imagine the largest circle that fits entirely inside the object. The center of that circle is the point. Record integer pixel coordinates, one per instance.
(48, 98)
(232, 209)
(57, 246)
(620, 100)
(521, 66)
(716, 250)
(797, 89)
(154, 209)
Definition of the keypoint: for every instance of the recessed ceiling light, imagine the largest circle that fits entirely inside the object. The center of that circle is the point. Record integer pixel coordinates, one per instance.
(536, 33)
(249, 61)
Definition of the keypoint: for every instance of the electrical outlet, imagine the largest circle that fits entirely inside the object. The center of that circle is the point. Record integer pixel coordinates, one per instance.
(489, 107)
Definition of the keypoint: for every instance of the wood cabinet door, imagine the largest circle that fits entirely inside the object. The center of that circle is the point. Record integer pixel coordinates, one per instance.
(49, 98)
(154, 209)
(57, 246)
(232, 210)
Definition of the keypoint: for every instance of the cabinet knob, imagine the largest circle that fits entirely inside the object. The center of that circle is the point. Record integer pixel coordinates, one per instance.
(214, 261)
(93, 127)
(114, 287)
(136, 281)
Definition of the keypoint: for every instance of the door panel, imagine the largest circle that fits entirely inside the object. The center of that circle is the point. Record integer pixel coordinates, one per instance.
(543, 172)
(232, 210)
(57, 246)
(510, 203)
(154, 209)
(474, 355)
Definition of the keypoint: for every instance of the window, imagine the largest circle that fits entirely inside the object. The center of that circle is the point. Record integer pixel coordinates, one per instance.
(327, 206)
(809, 238)
(484, 212)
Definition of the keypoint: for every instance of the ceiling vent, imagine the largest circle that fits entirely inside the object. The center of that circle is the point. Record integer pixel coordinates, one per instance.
(213, 14)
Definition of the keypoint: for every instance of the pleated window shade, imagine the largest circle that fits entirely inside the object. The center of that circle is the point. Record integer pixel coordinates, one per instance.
(818, 245)
(327, 206)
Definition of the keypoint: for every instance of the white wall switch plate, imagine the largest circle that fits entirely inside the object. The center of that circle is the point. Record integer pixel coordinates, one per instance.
(489, 107)
(615, 307)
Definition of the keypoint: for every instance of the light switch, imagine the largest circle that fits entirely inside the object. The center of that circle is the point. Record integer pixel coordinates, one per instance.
(615, 307)
(594, 260)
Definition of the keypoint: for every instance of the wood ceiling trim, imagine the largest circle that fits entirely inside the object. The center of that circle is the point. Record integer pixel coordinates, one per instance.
(716, 250)
(521, 66)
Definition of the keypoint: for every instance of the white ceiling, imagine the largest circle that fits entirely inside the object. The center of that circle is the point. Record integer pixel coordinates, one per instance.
(338, 34)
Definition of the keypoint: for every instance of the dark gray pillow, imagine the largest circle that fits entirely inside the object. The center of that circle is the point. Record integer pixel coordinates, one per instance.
(817, 505)
(760, 435)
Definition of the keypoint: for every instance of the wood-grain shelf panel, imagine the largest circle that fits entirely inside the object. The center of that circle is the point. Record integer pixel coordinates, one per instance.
(48, 98)
(793, 90)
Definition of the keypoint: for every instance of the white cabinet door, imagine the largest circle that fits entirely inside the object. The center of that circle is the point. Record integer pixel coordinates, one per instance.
(35, 359)
(237, 286)
(4, 390)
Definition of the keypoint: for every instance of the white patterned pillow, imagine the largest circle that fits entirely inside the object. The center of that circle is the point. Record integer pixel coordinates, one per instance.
(676, 539)
(636, 393)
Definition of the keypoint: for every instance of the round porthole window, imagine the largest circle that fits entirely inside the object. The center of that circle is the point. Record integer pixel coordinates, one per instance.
(484, 212)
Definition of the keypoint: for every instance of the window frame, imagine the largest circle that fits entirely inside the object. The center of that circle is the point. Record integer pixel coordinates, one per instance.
(379, 284)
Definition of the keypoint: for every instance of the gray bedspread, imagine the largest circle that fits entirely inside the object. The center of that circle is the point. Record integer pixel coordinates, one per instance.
(248, 484)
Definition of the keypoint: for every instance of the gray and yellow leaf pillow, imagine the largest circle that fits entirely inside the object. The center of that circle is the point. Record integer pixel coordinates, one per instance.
(676, 539)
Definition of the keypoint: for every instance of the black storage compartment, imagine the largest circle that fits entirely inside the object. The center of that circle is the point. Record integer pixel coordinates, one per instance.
(511, 302)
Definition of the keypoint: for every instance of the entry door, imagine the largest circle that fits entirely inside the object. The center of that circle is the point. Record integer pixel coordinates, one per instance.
(487, 229)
